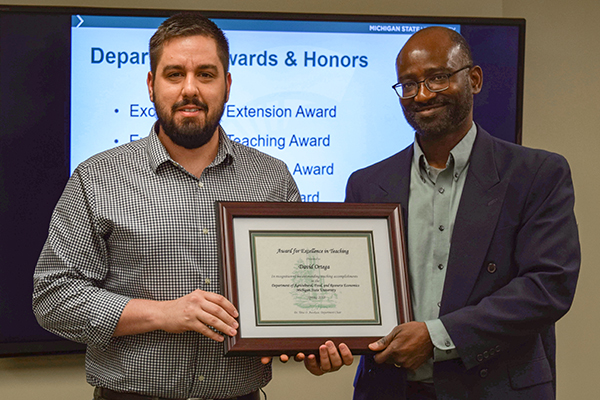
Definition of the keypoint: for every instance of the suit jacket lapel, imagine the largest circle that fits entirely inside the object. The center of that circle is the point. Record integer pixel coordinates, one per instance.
(396, 184)
(476, 219)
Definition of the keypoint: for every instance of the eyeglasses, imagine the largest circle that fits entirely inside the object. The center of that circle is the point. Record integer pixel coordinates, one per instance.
(436, 83)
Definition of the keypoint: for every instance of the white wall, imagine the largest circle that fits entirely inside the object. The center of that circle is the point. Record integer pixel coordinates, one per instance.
(562, 114)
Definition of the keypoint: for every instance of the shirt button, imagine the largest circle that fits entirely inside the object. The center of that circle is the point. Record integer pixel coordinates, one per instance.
(439, 304)
(441, 267)
(207, 281)
(205, 231)
(441, 190)
(201, 184)
(441, 228)
(447, 343)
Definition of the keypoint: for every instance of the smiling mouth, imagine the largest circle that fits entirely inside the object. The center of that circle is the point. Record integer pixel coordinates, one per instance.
(428, 109)
(189, 107)
(190, 111)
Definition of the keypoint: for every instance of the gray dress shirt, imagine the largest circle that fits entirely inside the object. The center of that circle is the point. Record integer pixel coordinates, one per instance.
(132, 223)
(432, 205)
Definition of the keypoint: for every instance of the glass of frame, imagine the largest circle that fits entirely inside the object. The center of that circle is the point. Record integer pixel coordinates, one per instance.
(303, 273)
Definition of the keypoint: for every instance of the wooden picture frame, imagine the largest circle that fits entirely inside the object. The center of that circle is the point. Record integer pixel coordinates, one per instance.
(303, 273)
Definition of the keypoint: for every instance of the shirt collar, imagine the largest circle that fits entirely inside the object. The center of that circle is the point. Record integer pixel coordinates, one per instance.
(458, 158)
(158, 154)
(462, 151)
(226, 150)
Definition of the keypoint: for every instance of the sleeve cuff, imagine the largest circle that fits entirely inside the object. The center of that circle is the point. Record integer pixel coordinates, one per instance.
(106, 309)
(444, 348)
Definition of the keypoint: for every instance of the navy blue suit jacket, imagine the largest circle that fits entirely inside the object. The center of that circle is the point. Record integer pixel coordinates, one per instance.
(512, 270)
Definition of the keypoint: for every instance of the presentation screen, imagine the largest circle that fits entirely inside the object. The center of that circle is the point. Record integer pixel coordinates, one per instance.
(312, 90)
(316, 94)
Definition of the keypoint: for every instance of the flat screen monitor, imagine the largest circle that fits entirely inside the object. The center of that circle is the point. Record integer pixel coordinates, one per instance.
(313, 90)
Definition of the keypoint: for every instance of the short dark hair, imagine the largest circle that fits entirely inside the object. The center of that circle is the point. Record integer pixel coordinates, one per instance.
(187, 24)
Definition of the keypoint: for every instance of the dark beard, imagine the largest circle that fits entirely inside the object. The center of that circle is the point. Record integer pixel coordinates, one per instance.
(457, 110)
(189, 134)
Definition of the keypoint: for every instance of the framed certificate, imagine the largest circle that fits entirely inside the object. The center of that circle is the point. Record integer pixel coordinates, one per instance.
(303, 273)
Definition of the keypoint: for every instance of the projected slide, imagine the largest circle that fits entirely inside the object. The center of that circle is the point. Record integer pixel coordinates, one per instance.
(316, 95)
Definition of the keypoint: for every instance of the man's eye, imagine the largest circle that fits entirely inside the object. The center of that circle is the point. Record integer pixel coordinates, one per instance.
(438, 78)
(409, 85)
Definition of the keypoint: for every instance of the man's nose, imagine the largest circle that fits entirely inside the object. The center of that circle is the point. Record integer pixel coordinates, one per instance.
(423, 93)
(190, 86)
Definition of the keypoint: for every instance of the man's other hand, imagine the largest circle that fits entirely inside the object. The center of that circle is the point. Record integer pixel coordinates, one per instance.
(407, 346)
(196, 311)
(330, 358)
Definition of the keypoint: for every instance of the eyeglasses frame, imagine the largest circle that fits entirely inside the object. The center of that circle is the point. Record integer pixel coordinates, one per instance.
(448, 76)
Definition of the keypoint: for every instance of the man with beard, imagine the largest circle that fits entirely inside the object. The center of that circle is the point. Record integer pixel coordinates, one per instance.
(492, 244)
(130, 264)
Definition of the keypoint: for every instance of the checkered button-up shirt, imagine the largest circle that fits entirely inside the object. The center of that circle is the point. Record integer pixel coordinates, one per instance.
(132, 223)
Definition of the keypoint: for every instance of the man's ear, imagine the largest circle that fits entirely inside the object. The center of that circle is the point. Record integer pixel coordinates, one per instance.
(476, 78)
(228, 85)
(149, 82)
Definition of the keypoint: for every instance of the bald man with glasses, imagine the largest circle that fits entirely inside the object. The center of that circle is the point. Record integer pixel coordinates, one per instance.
(492, 242)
